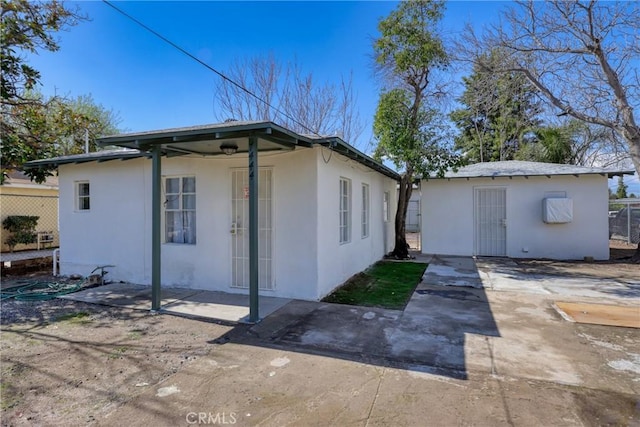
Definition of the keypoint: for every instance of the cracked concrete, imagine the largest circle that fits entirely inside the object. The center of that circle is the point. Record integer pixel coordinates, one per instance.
(490, 352)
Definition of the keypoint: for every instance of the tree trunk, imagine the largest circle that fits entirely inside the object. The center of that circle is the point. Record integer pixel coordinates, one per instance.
(401, 249)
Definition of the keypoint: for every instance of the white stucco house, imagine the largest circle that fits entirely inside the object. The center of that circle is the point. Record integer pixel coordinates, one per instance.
(324, 209)
(518, 209)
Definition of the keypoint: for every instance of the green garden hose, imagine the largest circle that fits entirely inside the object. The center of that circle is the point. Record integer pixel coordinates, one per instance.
(37, 290)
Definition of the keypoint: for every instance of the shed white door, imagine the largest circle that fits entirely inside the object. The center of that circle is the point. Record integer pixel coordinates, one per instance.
(490, 221)
(240, 228)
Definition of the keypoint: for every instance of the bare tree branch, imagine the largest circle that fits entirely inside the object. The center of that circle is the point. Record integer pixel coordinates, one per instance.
(301, 104)
(581, 55)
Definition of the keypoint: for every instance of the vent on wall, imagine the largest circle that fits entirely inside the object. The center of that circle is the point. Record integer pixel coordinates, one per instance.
(557, 210)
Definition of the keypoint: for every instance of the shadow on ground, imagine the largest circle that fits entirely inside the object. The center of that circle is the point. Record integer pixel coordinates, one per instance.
(428, 336)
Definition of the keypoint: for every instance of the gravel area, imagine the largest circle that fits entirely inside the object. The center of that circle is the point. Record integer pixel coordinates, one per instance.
(12, 311)
(72, 363)
(16, 312)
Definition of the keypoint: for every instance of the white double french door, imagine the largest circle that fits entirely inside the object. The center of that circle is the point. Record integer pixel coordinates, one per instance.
(240, 228)
(490, 221)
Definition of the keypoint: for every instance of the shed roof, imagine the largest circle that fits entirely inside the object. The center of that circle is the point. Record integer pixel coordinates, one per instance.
(511, 168)
(207, 140)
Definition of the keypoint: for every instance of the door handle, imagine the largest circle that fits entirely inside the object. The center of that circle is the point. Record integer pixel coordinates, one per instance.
(234, 228)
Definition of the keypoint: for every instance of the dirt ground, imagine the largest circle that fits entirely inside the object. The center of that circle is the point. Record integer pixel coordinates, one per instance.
(71, 363)
(619, 266)
(77, 362)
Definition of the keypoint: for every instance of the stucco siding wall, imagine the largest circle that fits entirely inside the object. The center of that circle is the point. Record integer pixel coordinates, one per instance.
(117, 229)
(337, 262)
(295, 217)
(113, 230)
(448, 217)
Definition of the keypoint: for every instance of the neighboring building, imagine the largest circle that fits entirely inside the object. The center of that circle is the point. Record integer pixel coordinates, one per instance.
(518, 209)
(325, 209)
(21, 196)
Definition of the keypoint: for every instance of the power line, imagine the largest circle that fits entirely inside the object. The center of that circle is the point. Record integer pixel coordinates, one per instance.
(209, 67)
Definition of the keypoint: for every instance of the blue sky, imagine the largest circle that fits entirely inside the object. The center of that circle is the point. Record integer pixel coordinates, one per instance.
(153, 86)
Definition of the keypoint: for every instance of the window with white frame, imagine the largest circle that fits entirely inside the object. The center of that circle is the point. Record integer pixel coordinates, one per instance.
(345, 210)
(365, 210)
(385, 206)
(180, 210)
(83, 199)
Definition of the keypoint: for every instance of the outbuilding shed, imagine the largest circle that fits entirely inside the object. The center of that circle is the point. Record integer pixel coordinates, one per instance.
(518, 209)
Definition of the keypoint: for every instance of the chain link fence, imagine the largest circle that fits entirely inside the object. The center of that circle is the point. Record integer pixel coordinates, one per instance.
(624, 220)
(44, 206)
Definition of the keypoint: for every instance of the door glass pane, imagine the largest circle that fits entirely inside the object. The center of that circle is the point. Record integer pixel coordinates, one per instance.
(173, 185)
(189, 201)
(189, 185)
(172, 202)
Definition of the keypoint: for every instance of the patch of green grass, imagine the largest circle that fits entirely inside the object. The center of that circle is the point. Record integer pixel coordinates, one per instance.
(117, 352)
(134, 335)
(386, 284)
(80, 317)
(9, 396)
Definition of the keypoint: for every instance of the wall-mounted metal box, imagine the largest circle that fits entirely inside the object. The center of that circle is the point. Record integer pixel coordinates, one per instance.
(557, 210)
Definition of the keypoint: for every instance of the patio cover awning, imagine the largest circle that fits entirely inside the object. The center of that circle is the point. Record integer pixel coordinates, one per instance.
(208, 140)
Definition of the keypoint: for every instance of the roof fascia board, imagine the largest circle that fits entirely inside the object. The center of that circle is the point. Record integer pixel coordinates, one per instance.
(56, 161)
(354, 154)
(266, 129)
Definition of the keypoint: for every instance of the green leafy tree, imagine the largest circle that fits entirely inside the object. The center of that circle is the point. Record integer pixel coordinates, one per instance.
(407, 53)
(498, 110)
(28, 26)
(33, 126)
(549, 144)
(84, 120)
(621, 190)
(47, 127)
(425, 151)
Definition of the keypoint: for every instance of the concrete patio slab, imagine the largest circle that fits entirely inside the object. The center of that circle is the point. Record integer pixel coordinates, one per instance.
(24, 255)
(454, 331)
(452, 271)
(501, 274)
(222, 306)
(137, 297)
(187, 302)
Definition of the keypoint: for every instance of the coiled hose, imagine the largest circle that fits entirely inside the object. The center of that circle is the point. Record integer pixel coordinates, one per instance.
(37, 290)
